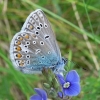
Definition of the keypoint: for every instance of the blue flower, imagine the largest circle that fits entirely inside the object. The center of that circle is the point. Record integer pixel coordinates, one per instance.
(41, 95)
(60, 94)
(71, 83)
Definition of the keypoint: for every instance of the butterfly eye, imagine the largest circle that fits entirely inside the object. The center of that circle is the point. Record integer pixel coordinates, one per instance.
(26, 51)
(41, 25)
(38, 28)
(37, 32)
(46, 37)
(27, 43)
(25, 46)
(34, 42)
(45, 26)
(27, 56)
(41, 43)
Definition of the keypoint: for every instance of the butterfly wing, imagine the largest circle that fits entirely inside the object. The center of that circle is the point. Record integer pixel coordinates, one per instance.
(34, 47)
(38, 23)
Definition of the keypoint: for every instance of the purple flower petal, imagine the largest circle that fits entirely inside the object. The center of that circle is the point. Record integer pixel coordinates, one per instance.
(60, 79)
(35, 97)
(41, 93)
(72, 76)
(73, 90)
(60, 94)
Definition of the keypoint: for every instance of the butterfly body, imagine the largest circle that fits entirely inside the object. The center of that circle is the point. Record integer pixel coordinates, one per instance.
(35, 47)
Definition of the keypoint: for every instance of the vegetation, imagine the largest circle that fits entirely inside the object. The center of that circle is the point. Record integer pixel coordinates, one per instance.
(76, 24)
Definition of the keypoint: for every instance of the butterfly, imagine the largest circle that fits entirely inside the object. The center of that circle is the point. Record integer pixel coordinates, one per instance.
(35, 46)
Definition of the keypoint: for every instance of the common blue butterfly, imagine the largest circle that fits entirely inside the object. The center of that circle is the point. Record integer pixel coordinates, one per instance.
(35, 46)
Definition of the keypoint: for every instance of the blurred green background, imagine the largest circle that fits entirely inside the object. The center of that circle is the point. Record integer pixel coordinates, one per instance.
(76, 24)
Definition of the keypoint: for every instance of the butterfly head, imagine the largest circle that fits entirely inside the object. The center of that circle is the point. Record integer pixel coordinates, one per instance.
(60, 66)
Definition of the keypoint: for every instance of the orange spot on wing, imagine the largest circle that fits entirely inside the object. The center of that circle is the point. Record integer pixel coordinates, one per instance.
(18, 55)
(18, 43)
(18, 48)
(26, 36)
(20, 38)
(21, 64)
(34, 35)
(31, 27)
